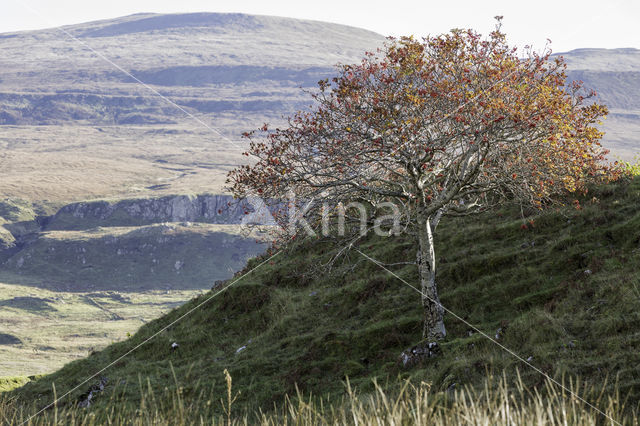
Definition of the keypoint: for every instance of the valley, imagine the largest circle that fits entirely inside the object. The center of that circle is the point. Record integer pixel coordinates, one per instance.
(78, 135)
(93, 273)
(116, 138)
(44, 328)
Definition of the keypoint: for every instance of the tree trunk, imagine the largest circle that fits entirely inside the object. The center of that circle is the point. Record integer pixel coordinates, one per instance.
(433, 325)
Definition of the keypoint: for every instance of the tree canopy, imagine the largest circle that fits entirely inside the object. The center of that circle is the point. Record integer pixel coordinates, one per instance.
(452, 124)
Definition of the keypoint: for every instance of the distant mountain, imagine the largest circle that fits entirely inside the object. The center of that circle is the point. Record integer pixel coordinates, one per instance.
(75, 126)
(615, 75)
(72, 110)
(206, 62)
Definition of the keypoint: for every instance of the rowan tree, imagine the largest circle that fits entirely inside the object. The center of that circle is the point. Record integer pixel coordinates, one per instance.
(449, 125)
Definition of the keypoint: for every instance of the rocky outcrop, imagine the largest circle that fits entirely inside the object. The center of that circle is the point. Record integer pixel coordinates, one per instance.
(419, 354)
(206, 208)
(159, 256)
(94, 390)
(149, 243)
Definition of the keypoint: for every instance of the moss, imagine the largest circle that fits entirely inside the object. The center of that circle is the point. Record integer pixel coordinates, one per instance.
(12, 382)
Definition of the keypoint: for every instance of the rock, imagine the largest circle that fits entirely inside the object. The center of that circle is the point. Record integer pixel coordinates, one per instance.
(86, 403)
(419, 353)
(93, 391)
(527, 245)
(208, 208)
(218, 284)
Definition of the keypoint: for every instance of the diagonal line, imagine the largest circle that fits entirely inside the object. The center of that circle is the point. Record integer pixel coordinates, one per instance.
(501, 346)
(214, 130)
(189, 312)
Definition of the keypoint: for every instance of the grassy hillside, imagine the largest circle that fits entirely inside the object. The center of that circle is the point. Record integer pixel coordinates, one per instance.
(562, 290)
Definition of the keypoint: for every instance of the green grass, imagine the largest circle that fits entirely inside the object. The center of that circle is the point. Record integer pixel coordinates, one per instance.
(16, 210)
(500, 402)
(7, 240)
(45, 329)
(13, 382)
(565, 291)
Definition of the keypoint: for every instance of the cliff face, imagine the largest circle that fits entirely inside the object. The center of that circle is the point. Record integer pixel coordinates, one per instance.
(205, 208)
(161, 256)
(179, 242)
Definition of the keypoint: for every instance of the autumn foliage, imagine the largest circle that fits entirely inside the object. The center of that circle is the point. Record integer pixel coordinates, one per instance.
(452, 124)
(423, 108)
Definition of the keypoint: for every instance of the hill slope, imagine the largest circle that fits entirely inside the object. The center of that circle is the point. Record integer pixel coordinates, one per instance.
(173, 242)
(564, 293)
(68, 113)
(76, 127)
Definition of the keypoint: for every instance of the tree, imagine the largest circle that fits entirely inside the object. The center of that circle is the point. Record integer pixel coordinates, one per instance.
(451, 125)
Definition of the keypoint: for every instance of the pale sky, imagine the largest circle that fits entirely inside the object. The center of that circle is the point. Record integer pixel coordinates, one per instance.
(570, 24)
